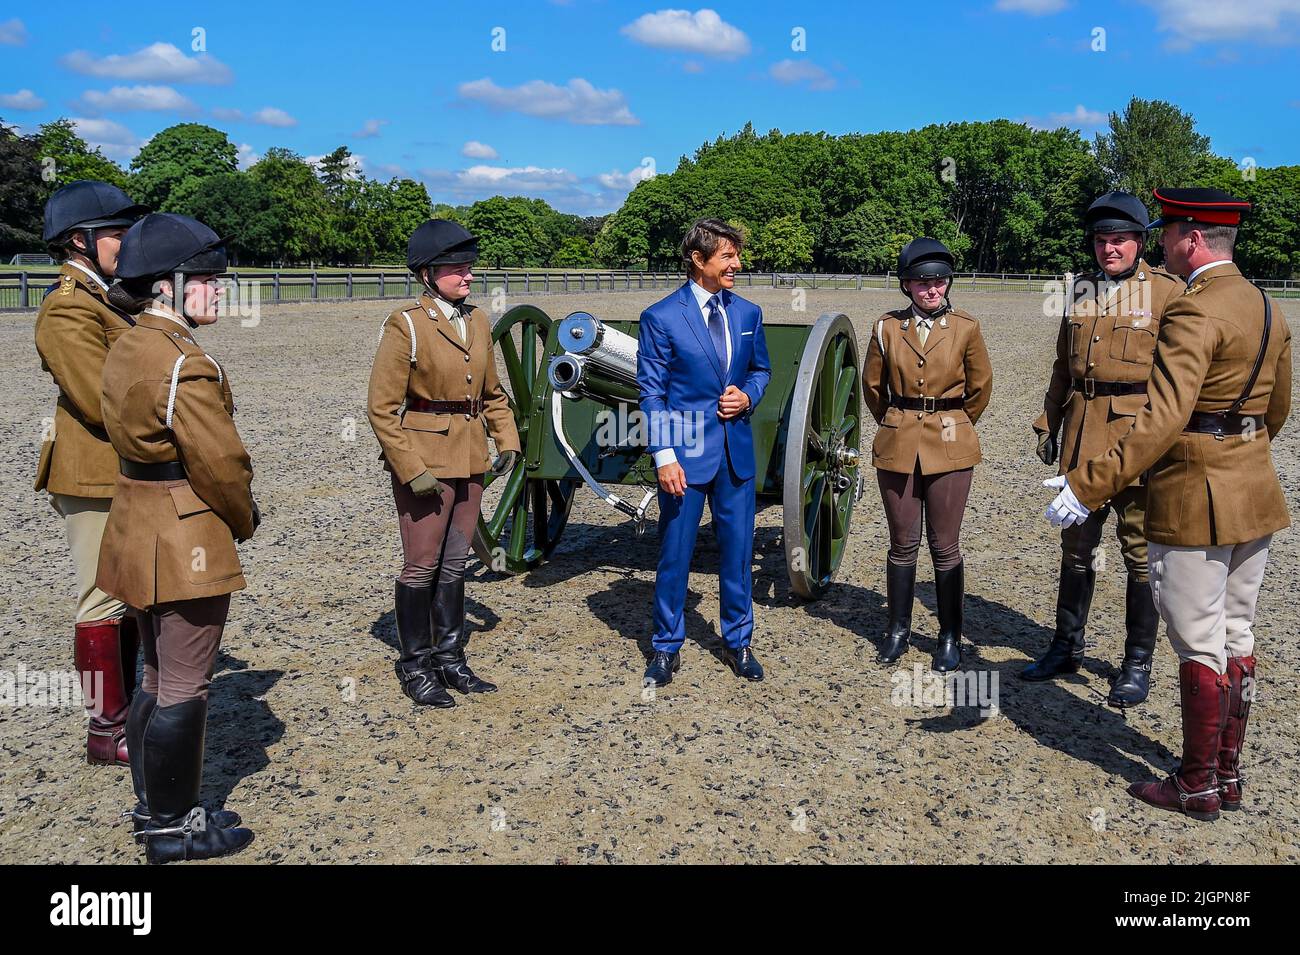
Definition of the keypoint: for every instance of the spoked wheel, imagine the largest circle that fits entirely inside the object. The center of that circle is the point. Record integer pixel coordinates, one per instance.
(521, 518)
(822, 471)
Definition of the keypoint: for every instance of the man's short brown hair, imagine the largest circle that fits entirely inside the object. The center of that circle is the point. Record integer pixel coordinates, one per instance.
(1218, 238)
(705, 236)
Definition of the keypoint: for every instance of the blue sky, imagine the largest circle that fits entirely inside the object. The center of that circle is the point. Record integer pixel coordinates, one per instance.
(576, 101)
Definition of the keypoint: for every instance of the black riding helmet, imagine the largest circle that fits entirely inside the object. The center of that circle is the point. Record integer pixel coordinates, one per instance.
(926, 258)
(1116, 212)
(440, 242)
(82, 207)
(167, 246)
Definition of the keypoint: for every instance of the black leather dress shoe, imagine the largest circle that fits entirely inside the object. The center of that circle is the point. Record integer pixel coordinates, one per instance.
(661, 669)
(744, 664)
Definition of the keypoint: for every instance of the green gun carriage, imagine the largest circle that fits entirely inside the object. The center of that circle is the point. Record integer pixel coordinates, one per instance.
(573, 385)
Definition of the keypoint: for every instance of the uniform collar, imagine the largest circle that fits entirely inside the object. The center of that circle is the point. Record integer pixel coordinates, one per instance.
(159, 313)
(98, 282)
(445, 308)
(1205, 268)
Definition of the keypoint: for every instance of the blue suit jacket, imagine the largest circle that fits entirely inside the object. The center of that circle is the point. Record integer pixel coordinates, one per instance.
(680, 380)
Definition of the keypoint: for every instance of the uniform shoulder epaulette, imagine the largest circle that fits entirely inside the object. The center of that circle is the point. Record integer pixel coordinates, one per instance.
(1157, 272)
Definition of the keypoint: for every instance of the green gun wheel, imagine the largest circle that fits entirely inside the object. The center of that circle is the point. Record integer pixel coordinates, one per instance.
(822, 477)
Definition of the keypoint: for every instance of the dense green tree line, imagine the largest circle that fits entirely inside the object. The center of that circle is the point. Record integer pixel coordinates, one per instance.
(1003, 196)
(282, 210)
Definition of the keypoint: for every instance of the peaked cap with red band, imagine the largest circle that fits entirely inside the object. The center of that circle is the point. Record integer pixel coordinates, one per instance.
(1208, 206)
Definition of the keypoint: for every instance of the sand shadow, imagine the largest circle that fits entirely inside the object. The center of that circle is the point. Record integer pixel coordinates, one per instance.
(241, 726)
(1083, 728)
(626, 607)
(479, 617)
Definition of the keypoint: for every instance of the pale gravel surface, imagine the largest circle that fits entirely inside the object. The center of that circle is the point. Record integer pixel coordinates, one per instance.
(311, 740)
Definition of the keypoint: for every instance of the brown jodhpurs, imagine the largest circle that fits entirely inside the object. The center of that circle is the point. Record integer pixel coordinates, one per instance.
(436, 530)
(942, 500)
(180, 641)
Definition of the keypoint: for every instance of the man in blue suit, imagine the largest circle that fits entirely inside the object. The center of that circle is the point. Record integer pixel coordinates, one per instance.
(702, 368)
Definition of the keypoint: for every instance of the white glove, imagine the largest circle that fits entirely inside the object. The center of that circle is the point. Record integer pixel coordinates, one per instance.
(1066, 510)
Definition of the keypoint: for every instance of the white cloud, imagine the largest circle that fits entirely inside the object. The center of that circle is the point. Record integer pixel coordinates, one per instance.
(370, 128)
(158, 61)
(791, 72)
(246, 155)
(23, 99)
(1035, 8)
(131, 98)
(384, 170)
(115, 140)
(563, 189)
(577, 102)
(477, 150)
(626, 180)
(1078, 118)
(1189, 22)
(13, 32)
(702, 32)
(521, 177)
(272, 116)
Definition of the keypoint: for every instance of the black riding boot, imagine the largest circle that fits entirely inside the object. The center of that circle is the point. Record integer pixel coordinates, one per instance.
(950, 598)
(1065, 652)
(900, 585)
(137, 718)
(178, 827)
(1141, 624)
(450, 638)
(414, 668)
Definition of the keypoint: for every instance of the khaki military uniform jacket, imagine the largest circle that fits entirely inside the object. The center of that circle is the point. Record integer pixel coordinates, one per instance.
(1202, 490)
(953, 363)
(1108, 334)
(421, 355)
(74, 330)
(165, 399)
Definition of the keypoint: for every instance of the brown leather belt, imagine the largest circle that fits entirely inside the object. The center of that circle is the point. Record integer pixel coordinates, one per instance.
(1222, 424)
(1092, 388)
(142, 471)
(472, 408)
(926, 404)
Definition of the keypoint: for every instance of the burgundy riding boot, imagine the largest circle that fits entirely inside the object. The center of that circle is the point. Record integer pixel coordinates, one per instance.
(1194, 788)
(1241, 680)
(99, 659)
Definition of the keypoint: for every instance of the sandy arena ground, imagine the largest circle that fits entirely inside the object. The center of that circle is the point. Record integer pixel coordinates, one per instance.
(311, 740)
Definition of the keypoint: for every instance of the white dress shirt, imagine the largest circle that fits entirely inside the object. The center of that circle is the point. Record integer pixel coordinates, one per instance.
(702, 296)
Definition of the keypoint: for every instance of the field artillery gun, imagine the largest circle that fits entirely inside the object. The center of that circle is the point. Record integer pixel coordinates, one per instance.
(574, 397)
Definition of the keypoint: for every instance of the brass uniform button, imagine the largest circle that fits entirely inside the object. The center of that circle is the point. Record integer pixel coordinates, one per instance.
(467, 357)
(1096, 338)
(469, 377)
